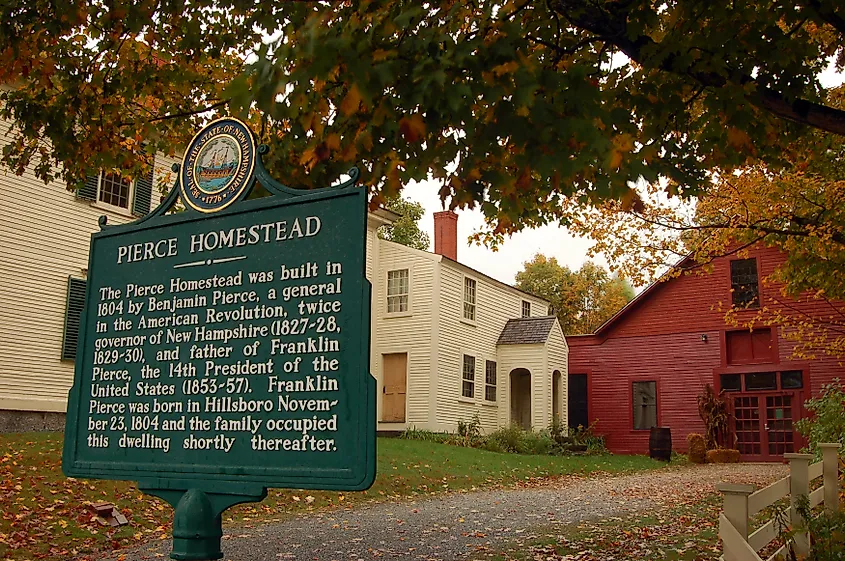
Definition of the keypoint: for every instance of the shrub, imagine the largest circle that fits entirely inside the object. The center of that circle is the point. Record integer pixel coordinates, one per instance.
(558, 430)
(469, 433)
(425, 435)
(697, 448)
(471, 430)
(505, 439)
(827, 420)
(723, 456)
(535, 443)
(586, 436)
(827, 532)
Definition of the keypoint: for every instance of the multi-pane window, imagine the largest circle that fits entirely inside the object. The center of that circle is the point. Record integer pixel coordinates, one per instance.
(114, 190)
(761, 381)
(526, 309)
(468, 382)
(490, 381)
(744, 285)
(469, 298)
(645, 405)
(398, 288)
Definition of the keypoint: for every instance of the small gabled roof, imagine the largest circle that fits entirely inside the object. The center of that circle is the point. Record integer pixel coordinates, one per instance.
(526, 331)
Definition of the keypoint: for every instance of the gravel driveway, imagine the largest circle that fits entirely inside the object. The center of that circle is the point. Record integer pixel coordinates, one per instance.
(455, 526)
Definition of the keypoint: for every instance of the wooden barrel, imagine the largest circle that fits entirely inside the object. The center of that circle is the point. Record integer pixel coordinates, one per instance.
(660, 443)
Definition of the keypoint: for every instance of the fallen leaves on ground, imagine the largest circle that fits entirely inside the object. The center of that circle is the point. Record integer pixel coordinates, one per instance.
(48, 516)
(682, 527)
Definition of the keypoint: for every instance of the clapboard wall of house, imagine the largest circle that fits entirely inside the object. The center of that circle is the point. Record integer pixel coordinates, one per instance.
(45, 233)
(496, 303)
(406, 332)
(558, 357)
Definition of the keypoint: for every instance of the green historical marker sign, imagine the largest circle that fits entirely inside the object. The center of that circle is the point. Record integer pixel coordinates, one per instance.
(225, 349)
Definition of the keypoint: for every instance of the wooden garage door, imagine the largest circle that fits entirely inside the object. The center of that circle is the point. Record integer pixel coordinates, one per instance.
(394, 388)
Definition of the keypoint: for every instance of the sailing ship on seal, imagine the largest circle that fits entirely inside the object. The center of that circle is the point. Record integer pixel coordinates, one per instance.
(217, 164)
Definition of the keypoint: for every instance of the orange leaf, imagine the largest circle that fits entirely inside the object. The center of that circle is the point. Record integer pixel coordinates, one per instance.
(506, 68)
(413, 127)
(380, 54)
(333, 141)
(351, 101)
(738, 138)
(632, 201)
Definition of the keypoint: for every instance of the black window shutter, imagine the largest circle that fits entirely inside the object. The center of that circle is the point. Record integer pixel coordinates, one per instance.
(73, 317)
(89, 190)
(143, 193)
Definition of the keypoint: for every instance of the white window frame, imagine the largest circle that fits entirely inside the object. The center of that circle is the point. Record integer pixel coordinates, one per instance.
(388, 295)
(494, 385)
(526, 313)
(464, 379)
(127, 210)
(466, 302)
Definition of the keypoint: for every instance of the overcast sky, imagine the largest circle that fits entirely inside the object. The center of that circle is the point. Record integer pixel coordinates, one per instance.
(553, 241)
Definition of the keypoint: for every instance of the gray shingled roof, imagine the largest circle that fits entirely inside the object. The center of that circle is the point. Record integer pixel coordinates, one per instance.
(526, 331)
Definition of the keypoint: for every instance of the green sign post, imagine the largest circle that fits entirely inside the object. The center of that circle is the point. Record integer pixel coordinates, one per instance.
(225, 349)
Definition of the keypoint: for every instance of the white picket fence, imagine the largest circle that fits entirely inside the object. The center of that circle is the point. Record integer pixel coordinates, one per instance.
(744, 501)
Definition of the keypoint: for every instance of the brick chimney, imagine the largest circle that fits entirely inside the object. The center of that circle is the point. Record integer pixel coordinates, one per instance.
(446, 234)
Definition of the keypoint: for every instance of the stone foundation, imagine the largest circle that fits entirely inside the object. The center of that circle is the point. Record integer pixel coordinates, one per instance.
(31, 421)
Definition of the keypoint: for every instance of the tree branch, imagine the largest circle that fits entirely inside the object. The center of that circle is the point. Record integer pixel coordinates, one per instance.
(614, 27)
(183, 113)
(828, 14)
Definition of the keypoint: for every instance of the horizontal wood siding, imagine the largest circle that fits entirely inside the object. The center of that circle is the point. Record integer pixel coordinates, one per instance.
(495, 305)
(558, 352)
(372, 236)
(660, 338)
(44, 234)
(534, 359)
(406, 333)
(681, 364)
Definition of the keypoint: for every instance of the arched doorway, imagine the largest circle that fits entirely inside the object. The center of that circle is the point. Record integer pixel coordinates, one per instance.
(520, 379)
(556, 395)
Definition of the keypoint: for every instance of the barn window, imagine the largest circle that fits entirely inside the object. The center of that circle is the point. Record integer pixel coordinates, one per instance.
(468, 386)
(744, 286)
(730, 382)
(526, 309)
(750, 347)
(645, 405)
(490, 381)
(761, 381)
(791, 379)
(470, 292)
(398, 288)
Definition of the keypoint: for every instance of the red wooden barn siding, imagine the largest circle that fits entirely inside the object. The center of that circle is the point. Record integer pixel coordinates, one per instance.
(659, 337)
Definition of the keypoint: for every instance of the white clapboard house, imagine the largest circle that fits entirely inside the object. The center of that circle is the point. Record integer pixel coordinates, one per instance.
(448, 342)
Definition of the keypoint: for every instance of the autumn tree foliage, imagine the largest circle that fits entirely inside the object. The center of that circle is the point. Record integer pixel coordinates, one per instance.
(797, 208)
(582, 299)
(406, 229)
(532, 110)
(514, 105)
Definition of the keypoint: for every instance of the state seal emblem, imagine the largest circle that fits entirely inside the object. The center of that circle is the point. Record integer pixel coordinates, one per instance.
(218, 165)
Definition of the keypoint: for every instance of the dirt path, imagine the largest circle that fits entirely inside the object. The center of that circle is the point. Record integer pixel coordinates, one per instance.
(455, 526)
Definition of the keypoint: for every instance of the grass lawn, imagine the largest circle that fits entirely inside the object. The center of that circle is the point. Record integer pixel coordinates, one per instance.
(45, 515)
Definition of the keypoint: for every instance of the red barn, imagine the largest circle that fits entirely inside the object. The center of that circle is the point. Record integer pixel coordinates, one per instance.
(645, 366)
